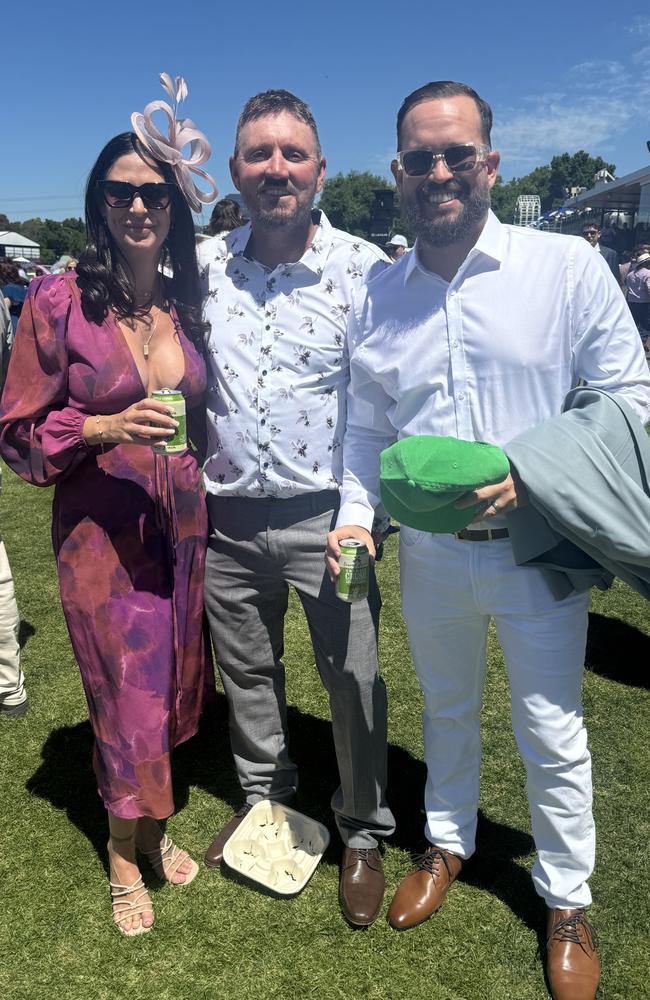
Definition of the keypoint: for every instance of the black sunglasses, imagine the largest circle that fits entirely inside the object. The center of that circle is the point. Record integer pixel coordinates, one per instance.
(457, 159)
(120, 194)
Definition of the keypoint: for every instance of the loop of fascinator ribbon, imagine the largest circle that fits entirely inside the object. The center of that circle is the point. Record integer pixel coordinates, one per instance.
(169, 148)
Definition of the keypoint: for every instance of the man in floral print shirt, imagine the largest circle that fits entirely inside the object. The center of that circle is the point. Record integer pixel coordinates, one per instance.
(278, 293)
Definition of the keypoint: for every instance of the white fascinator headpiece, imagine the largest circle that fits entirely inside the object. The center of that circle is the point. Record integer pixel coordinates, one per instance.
(182, 133)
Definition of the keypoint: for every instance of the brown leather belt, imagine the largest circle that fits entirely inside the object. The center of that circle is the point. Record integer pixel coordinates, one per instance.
(486, 535)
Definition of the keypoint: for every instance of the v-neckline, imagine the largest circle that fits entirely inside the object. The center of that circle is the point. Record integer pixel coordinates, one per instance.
(127, 346)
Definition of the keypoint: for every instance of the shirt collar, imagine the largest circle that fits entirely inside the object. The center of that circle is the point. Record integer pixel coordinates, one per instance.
(313, 257)
(491, 243)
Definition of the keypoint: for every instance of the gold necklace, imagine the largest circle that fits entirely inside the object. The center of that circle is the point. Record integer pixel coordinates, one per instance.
(145, 343)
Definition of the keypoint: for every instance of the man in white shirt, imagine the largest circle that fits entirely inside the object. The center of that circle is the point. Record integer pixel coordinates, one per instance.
(278, 293)
(479, 333)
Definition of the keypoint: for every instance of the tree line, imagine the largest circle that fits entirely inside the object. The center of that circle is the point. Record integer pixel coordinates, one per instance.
(54, 238)
(347, 200)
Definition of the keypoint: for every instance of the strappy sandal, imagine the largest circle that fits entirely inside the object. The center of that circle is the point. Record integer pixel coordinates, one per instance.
(167, 858)
(123, 908)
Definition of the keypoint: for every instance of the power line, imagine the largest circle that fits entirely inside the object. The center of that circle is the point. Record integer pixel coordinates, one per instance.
(39, 197)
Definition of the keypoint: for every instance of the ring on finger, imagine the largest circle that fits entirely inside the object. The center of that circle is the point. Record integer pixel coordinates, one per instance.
(495, 507)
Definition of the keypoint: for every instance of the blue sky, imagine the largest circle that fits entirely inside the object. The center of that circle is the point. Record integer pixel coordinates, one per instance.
(559, 76)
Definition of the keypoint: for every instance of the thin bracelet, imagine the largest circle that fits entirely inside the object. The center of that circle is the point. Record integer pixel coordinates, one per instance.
(101, 435)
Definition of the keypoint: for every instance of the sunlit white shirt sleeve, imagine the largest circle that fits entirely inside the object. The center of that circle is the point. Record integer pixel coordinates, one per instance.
(486, 356)
(368, 432)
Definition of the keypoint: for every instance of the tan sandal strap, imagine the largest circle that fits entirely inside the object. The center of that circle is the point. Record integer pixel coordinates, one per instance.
(122, 890)
(122, 909)
(167, 858)
(161, 849)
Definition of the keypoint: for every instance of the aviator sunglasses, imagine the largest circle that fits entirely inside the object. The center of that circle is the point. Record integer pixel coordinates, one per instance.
(457, 159)
(120, 194)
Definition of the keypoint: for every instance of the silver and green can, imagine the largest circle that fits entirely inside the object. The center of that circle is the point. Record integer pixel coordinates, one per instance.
(176, 402)
(352, 583)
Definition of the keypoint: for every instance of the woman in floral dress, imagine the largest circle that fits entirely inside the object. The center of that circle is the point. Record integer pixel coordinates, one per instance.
(129, 525)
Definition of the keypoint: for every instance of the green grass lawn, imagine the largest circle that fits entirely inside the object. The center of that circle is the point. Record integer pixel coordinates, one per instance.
(220, 939)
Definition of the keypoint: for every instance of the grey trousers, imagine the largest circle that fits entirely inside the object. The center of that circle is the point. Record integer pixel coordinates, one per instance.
(257, 548)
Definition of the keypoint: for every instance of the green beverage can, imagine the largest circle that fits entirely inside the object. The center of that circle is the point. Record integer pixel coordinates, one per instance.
(352, 583)
(176, 402)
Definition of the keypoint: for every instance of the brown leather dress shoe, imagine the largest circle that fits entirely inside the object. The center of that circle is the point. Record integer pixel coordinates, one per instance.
(572, 964)
(214, 854)
(361, 885)
(423, 890)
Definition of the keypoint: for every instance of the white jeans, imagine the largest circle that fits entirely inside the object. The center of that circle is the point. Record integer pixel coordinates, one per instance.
(450, 590)
(12, 682)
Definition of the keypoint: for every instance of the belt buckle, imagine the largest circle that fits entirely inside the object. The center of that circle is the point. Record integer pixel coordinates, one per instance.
(480, 535)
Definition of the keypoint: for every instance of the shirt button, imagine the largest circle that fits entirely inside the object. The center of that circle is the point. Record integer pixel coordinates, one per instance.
(461, 395)
(267, 327)
(265, 465)
(264, 372)
(455, 343)
(263, 421)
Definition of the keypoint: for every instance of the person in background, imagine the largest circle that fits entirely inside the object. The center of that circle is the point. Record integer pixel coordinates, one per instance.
(6, 337)
(129, 523)
(637, 287)
(591, 233)
(13, 697)
(72, 264)
(226, 216)
(626, 259)
(397, 247)
(14, 290)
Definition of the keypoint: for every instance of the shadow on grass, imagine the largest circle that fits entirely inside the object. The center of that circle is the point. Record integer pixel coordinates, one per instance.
(618, 651)
(495, 869)
(25, 631)
(66, 779)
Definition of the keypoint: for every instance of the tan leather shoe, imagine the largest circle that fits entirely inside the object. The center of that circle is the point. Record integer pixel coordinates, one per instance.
(361, 885)
(423, 890)
(214, 854)
(572, 964)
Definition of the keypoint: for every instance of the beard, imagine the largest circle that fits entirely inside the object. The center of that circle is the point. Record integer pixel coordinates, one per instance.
(444, 232)
(276, 218)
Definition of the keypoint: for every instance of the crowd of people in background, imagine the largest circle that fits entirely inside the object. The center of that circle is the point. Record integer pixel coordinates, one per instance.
(631, 269)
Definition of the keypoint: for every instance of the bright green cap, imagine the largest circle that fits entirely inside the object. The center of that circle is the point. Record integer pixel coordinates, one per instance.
(423, 476)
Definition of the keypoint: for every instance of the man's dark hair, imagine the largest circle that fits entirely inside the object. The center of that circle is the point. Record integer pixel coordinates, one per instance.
(591, 225)
(446, 88)
(274, 102)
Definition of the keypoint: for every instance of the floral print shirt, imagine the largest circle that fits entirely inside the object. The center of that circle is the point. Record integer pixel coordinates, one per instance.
(278, 362)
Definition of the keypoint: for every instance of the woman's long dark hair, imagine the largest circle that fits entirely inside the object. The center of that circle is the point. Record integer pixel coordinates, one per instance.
(103, 274)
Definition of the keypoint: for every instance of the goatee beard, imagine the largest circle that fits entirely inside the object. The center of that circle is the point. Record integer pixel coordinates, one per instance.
(274, 219)
(444, 232)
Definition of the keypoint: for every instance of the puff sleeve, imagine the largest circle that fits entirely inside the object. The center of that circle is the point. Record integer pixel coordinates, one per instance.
(41, 435)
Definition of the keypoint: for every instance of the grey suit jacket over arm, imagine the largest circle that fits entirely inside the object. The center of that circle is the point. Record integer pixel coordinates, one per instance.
(587, 472)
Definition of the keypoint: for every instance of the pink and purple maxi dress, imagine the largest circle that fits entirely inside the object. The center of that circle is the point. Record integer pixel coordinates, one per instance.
(129, 533)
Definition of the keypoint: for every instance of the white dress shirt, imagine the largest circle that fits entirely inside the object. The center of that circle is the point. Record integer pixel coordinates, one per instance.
(278, 363)
(485, 356)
